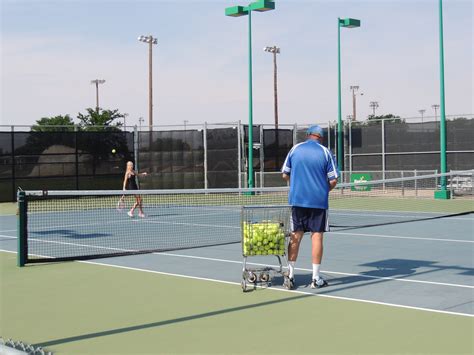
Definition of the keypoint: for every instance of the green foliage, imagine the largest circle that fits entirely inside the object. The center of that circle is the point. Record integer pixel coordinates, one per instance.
(62, 123)
(100, 120)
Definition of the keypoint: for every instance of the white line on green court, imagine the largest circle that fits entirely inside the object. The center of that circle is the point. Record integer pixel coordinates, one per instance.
(400, 237)
(271, 289)
(325, 271)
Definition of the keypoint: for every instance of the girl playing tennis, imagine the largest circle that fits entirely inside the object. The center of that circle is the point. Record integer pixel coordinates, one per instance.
(130, 183)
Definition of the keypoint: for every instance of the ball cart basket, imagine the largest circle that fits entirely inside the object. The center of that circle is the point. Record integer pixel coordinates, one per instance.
(265, 232)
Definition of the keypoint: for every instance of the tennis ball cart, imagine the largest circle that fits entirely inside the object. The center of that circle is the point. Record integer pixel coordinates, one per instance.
(265, 232)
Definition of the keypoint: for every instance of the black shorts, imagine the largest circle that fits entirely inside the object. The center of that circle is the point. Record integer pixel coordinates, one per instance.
(309, 219)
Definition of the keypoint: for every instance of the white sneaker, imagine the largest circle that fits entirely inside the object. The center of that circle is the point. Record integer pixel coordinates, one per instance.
(141, 215)
(318, 283)
(130, 214)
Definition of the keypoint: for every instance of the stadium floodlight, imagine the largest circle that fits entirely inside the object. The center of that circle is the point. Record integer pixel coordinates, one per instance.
(96, 82)
(347, 23)
(274, 50)
(151, 41)
(238, 11)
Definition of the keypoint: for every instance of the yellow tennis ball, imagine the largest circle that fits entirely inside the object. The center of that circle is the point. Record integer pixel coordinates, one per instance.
(114, 151)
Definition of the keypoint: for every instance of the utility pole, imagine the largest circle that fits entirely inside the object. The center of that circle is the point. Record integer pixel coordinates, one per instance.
(435, 107)
(151, 41)
(422, 113)
(374, 105)
(354, 90)
(274, 50)
(96, 82)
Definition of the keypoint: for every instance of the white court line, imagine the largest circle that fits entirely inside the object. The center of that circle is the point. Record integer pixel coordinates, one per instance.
(188, 224)
(8, 230)
(7, 237)
(400, 237)
(274, 289)
(443, 217)
(239, 262)
(325, 271)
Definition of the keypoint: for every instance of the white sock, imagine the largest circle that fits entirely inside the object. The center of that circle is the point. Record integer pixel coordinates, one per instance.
(291, 266)
(316, 271)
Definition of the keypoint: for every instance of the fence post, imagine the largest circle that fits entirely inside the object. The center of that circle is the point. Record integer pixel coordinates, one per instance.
(77, 157)
(416, 183)
(383, 153)
(262, 168)
(329, 135)
(239, 155)
(13, 163)
(403, 183)
(350, 147)
(204, 138)
(295, 129)
(135, 147)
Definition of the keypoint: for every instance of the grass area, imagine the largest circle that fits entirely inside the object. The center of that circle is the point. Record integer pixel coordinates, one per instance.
(72, 308)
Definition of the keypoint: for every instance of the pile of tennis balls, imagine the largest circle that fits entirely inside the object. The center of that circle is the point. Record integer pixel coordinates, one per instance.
(264, 238)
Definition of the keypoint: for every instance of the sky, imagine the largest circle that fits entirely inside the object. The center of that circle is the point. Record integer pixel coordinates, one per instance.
(52, 49)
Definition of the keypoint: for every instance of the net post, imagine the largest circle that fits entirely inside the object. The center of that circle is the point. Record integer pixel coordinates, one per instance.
(22, 216)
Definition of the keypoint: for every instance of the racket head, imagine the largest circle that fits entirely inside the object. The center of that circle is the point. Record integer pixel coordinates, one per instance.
(121, 204)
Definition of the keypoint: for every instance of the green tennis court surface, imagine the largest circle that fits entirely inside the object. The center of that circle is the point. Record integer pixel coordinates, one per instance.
(86, 308)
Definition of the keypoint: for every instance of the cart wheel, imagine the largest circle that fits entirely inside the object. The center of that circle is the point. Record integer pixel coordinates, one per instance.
(264, 277)
(251, 277)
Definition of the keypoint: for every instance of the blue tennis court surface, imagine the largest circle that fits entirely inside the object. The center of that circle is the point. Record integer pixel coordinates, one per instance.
(419, 261)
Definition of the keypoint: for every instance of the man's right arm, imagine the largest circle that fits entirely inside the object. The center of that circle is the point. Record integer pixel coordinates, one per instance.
(332, 184)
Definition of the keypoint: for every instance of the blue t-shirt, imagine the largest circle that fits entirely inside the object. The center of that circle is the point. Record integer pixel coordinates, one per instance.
(310, 165)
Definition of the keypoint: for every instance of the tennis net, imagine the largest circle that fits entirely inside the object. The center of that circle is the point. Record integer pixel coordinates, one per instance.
(70, 225)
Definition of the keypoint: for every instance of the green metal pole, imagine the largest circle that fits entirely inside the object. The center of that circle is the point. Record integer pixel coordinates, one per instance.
(21, 229)
(443, 193)
(250, 154)
(340, 156)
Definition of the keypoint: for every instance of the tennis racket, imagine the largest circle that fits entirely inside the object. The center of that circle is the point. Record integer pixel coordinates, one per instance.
(121, 204)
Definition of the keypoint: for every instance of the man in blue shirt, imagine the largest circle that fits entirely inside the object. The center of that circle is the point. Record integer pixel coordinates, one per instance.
(312, 172)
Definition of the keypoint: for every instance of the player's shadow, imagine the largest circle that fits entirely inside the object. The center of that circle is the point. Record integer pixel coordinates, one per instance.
(379, 272)
(68, 233)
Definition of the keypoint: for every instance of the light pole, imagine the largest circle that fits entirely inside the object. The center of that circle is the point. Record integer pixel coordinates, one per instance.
(373, 105)
(140, 121)
(96, 82)
(185, 122)
(354, 90)
(237, 11)
(422, 113)
(443, 193)
(274, 50)
(151, 41)
(347, 23)
(435, 107)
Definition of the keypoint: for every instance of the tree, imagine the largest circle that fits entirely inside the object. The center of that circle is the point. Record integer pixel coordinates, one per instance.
(62, 123)
(388, 118)
(100, 120)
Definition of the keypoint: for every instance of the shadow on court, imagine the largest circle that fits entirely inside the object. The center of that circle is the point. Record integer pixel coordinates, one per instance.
(408, 219)
(385, 269)
(166, 322)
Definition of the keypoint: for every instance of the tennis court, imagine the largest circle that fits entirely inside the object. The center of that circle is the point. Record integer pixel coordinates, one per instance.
(400, 273)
